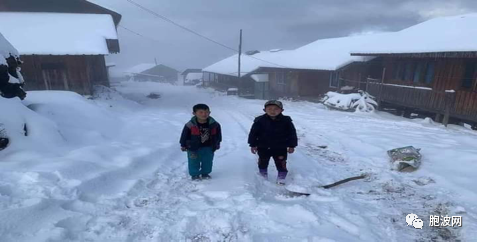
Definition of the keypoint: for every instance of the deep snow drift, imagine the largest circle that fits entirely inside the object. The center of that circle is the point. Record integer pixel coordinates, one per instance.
(110, 169)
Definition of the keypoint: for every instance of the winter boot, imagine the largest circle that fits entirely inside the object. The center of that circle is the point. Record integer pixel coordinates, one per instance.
(3, 143)
(206, 176)
(281, 178)
(264, 173)
(195, 178)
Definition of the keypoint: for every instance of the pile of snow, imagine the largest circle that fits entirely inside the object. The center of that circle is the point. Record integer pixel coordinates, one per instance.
(360, 102)
(26, 129)
(460, 33)
(80, 121)
(113, 100)
(55, 118)
(58, 33)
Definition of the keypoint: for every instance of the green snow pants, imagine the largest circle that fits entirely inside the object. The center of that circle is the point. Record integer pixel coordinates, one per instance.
(200, 161)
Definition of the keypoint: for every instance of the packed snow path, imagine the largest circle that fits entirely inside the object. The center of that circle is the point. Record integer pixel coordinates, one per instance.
(134, 186)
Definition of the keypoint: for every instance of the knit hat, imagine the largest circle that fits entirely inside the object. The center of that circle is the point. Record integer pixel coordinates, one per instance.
(274, 102)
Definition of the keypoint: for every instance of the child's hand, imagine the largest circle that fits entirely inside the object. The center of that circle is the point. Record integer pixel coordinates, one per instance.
(254, 150)
(291, 150)
(183, 149)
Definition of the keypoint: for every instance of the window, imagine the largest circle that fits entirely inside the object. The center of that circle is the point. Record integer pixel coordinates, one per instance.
(430, 72)
(418, 73)
(281, 78)
(399, 71)
(334, 79)
(469, 74)
(408, 72)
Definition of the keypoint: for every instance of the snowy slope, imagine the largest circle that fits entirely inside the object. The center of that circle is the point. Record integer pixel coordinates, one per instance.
(58, 33)
(133, 186)
(42, 132)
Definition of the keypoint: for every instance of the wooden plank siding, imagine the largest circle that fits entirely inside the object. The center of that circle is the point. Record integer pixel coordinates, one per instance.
(297, 83)
(78, 73)
(430, 95)
(357, 73)
(223, 82)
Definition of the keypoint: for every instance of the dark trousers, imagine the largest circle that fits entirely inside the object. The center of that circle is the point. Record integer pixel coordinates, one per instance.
(279, 156)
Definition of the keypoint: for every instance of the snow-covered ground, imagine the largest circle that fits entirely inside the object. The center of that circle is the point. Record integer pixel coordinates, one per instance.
(110, 169)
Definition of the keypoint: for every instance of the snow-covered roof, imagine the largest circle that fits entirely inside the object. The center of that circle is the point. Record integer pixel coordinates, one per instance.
(58, 33)
(444, 34)
(324, 54)
(194, 76)
(6, 49)
(140, 68)
(229, 66)
(327, 54)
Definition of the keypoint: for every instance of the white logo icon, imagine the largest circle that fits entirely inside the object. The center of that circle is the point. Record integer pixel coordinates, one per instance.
(418, 223)
(412, 219)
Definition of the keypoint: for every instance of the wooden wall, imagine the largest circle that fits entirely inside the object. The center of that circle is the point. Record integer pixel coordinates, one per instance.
(224, 82)
(314, 83)
(298, 83)
(74, 73)
(357, 73)
(431, 95)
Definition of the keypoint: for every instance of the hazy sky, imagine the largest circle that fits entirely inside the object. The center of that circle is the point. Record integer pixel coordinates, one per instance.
(267, 24)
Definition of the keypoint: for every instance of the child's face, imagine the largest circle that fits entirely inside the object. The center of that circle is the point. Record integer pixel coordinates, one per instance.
(202, 114)
(273, 110)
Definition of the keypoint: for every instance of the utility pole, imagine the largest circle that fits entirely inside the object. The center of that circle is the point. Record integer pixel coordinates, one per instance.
(239, 59)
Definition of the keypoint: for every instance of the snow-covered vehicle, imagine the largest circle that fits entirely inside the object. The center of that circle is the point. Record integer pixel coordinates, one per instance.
(361, 101)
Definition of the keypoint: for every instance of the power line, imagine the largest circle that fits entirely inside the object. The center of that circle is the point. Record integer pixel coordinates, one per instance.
(136, 33)
(178, 25)
(190, 31)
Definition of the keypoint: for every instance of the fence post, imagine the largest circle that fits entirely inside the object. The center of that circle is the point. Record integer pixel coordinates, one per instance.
(380, 100)
(367, 83)
(437, 119)
(449, 98)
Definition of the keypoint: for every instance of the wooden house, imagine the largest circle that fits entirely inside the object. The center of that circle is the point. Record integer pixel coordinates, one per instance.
(63, 45)
(154, 73)
(306, 73)
(428, 72)
(223, 75)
